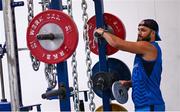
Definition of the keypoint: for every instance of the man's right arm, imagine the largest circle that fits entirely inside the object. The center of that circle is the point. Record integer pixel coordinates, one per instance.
(140, 47)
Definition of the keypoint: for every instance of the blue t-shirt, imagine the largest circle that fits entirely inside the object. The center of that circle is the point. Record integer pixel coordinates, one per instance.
(146, 88)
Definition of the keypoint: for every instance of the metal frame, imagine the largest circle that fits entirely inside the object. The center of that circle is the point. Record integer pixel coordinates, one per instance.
(13, 66)
(4, 105)
(99, 11)
(62, 70)
(16, 103)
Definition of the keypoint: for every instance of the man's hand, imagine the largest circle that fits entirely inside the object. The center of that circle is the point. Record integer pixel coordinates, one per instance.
(99, 32)
(126, 83)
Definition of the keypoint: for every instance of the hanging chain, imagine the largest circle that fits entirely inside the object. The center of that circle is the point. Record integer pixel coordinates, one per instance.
(69, 8)
(30, 10)
(35, 62)
(45, 4)
(88, 57)
(74, 66)
(50, 73)
(75, 82)
(50, 69)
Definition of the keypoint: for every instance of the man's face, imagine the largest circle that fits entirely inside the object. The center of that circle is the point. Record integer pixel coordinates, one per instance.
(144, 33)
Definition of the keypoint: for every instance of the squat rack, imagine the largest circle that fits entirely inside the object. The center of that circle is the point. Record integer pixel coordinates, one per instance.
(62, 71)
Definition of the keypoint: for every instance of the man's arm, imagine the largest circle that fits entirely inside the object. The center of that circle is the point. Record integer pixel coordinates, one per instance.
(140, 47)
(126, 83)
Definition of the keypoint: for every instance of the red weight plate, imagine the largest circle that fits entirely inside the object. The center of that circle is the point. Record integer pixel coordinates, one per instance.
(51, 20)
(113, 24)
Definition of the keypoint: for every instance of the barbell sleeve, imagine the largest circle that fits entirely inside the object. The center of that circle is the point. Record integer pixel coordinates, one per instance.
(46, 36)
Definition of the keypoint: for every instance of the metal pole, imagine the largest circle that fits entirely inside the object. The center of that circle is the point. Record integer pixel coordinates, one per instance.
(99, 10)
(0, 5)
(2, 82)
(11, 55)
(13, 5)
(62, 69)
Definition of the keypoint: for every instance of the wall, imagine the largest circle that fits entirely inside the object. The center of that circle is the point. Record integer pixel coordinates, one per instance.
(131, 12)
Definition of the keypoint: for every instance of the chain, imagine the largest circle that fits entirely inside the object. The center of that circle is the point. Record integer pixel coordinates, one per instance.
(88, 57)
(75, 81)
(74, 66)
(50, 69)
(50, 73)
(30, 10)
(35, 62)
(69, 8)
(45, 4)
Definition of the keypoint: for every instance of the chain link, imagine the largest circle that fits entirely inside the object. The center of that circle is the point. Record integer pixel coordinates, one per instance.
(45, 4)
(88, 57)
(50, 73)
(35, 62)
(30, 10)
(74, 66)
(69, 8)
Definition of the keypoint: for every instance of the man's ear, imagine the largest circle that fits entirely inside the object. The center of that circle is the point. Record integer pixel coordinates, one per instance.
(153, 33)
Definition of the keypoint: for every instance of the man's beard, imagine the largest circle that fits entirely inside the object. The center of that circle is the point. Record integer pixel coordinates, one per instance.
(148, 39)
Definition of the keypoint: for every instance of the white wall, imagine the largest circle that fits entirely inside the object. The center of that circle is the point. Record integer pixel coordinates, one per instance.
(131, 12)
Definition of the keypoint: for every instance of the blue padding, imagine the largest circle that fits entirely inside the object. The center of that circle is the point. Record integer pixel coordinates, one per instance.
(5, 106)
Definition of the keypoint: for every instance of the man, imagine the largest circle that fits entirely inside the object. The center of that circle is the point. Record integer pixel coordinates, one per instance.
(146, 75)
